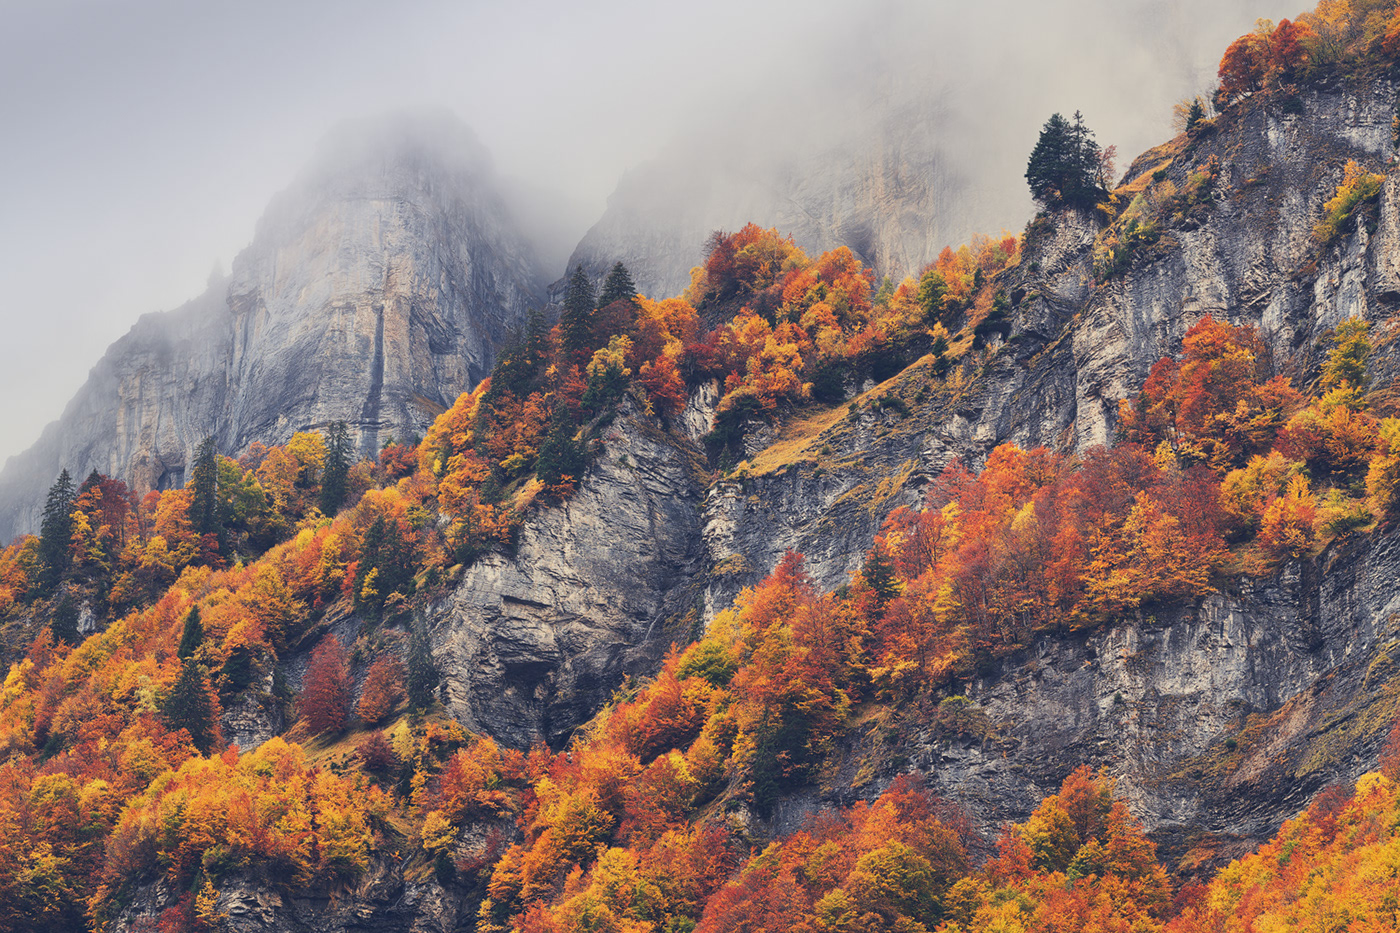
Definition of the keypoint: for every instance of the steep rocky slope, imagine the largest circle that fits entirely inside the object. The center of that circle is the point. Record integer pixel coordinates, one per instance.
(375, 291)
(1219, 719)
(1156, 701)
(534, 642)
(1076, 347)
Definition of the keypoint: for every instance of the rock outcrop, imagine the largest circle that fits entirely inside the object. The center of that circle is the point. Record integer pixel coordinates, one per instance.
(375, 291)
(596, 588)
(1219, 719)
(1294, 661)
(1076, 347)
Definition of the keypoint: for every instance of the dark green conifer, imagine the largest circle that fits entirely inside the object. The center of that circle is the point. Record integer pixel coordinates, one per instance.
(55, 532)
(64, 623)
(576, 320)
(386, 563)
(204, 490)
(522, 359)
(618, 286)
(1064, 169)
(879, 575)
(617, 306)
(560, 455)
(1195, 115)
(192, 636)
(192, 706)
(334, 478)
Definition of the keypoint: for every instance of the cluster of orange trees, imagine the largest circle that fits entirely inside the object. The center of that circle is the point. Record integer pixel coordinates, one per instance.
(1337, 33)
(196, 593)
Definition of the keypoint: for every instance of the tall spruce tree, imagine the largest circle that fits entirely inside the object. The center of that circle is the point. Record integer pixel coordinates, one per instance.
(617, 306)
(560, 455)
(335, 475)
(193, 706)
(522, 359)
(192, 636)
(879, 575)
(204, 490)
(1064, 169)
(576, 319)
(386, 565)
(55, 532)
(618, 286)
(64, 623)
(1195, 115)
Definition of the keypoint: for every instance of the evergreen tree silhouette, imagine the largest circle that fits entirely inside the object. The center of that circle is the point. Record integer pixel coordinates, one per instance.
(55, 532)
(335, 476)
(192, 706)
(192, 636)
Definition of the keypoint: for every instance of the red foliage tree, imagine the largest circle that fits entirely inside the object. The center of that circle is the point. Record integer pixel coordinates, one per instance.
(383, 688)
(325, 691)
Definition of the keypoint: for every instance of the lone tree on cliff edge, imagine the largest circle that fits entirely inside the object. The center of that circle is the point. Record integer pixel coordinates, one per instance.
(1066, 167)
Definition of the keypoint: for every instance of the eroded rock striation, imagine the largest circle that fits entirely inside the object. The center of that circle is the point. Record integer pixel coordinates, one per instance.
(535, 641)
(1155, 700)
(1219, 718)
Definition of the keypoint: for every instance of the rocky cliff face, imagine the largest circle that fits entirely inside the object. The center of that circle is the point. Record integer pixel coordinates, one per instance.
(535, 642)
(890, 193)
(145, 406)
(375, 291)
(1077, 347)
(1220, 719)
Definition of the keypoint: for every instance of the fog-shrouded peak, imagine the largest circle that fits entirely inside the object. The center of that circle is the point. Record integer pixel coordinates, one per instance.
(376, 290)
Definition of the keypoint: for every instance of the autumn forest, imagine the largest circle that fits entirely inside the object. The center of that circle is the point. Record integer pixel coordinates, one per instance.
(300, 578)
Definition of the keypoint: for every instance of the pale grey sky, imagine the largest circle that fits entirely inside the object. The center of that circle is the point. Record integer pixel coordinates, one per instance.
(143, 138)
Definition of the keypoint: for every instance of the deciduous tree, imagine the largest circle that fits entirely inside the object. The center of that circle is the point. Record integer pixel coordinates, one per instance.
(325, 691)
(383, 689)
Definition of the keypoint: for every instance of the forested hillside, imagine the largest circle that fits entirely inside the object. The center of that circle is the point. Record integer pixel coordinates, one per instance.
(1133, 470)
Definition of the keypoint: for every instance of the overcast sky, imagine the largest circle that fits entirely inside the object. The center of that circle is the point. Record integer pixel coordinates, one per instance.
(142, 139)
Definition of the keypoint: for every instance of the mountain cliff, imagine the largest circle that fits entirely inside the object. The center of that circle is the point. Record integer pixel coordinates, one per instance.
(376, 290)
(1154, 702)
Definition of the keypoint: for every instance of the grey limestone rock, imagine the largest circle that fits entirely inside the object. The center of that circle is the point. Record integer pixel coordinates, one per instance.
(375, 291)
(597, 587)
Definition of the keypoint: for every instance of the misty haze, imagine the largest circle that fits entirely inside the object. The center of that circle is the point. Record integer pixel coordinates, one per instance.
(153, 136)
